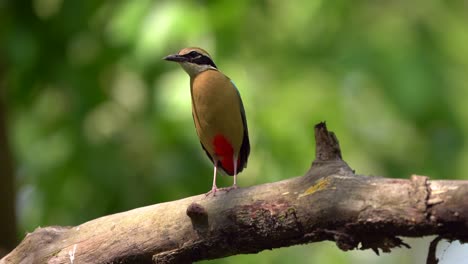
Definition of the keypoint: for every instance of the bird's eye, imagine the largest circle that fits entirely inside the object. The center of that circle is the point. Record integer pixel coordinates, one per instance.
(194, 54)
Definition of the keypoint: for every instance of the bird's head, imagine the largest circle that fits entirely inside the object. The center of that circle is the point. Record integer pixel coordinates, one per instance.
(193, 60)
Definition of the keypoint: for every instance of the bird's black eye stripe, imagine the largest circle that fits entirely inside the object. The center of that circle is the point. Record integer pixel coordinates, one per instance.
(200, 59)
(204, 60)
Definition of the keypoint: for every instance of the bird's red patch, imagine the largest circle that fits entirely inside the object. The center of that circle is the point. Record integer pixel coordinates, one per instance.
(224, 150)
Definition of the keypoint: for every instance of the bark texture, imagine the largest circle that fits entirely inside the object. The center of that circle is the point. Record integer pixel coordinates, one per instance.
(329, 202)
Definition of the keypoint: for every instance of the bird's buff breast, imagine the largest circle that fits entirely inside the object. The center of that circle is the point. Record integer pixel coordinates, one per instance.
(216, 110)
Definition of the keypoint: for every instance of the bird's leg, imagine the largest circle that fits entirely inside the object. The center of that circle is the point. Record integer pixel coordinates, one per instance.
(234, 185)
(214, 188)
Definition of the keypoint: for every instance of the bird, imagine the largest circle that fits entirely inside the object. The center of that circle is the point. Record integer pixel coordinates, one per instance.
(218, 114)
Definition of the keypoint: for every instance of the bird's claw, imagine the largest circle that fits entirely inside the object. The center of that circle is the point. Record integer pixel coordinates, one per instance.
(215, 189)
(228, 189)
(212, 191)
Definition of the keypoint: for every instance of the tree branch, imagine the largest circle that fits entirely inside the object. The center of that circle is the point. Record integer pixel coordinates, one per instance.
(329, 203)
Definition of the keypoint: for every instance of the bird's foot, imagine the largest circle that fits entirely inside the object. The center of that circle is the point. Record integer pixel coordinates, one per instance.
(212, 191)
(228, 189)
(215, 190)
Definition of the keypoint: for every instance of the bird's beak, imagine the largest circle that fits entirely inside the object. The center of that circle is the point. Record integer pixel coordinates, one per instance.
(176, 58)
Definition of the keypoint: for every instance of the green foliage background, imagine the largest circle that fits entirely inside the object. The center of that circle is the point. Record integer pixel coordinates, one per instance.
(100, 124)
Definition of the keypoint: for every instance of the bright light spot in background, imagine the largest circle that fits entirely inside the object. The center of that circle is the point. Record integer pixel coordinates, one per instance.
(105, 121)
(127, 96)
(129, 90)
(128, 16)
(158, 24)
(46, 8)
(156, 30)
(172, 95)
(186, 25)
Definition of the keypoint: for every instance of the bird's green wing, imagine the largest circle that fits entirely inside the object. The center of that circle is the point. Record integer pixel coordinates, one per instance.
(245, 147)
